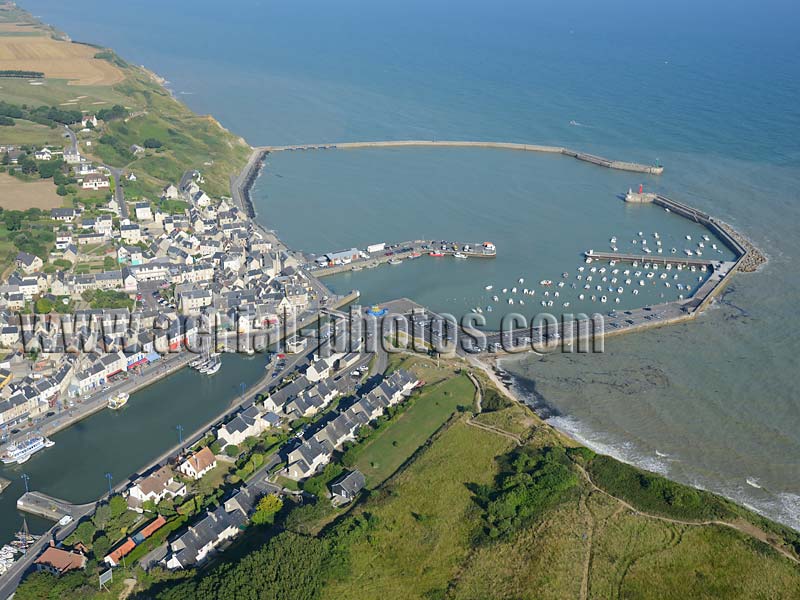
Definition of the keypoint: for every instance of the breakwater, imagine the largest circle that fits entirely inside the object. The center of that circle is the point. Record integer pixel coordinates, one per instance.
(583, 156)
(243, 182)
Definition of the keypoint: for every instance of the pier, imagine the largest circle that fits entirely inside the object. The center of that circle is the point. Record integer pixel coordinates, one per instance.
(583, 156)
(42, 505)
(410, 250)
(674, 260)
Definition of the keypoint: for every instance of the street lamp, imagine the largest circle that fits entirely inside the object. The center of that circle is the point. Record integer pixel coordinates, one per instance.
(109, 477)
(180, 433)
(26, 478)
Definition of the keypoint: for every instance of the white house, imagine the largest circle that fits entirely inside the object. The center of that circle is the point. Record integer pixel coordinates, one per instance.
(95, 181)
(155, 487)
(198, 464)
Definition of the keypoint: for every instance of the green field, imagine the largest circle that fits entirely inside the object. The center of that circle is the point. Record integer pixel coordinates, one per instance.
(391, 447)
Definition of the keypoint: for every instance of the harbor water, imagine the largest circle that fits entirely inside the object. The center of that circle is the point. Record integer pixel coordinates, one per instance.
(709, 90)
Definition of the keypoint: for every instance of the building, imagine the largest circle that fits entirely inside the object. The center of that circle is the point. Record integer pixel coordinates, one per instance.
(43, 154)
(346, 488)
(248, 423)
(193, 301)
(95, 181)
(198, 464)
(155, 487)
(72, 157)
(65, 215)
(170, 193)
(131, 234)
(58, 561)
(202, 538)
(143, 211)
(28, 263)
(116, 555)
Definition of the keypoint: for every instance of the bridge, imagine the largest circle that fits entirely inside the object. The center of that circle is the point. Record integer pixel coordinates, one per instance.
(583, 156)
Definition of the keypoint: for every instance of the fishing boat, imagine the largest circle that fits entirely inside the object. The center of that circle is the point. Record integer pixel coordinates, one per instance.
(460, 255)
(395, 261)
(436, 254)
(546, 282)
(488, 287)
(19, 452)
(119, 400)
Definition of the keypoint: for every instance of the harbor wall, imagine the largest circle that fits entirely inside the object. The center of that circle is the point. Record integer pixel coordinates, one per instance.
(590, 158)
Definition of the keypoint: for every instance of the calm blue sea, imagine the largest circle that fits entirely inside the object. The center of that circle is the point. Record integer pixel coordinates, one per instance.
(711, 89)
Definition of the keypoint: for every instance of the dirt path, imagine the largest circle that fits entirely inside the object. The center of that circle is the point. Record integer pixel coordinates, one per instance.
(128, 585)
(742, 527)
(589, 541)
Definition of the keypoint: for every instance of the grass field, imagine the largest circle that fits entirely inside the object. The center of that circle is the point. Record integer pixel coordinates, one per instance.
(426, 520)
(27, 132)
(381, 456)
(21, 195)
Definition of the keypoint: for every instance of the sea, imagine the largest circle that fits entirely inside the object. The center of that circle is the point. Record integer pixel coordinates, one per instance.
(710, 90)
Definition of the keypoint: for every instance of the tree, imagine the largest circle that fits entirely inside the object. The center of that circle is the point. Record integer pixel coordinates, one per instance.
(84, 533)
(62, 190)
(43, 306)
(149, 506)
(101, 546)
(117, 505)
(232, 450)
(152, 143)
(266, 509)
(101, 516)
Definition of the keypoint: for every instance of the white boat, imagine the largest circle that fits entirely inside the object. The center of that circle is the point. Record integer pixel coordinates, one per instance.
(19, 452)
(117, 401)
(581, 297)
(522, 302)
(706, 238)
(688, 237)
(688, 252)
(521, 280)
(620, 290)
(603, 299)
(460, 255)
(513, 290)
(495, 298)
(617, 300)
(635, 292)
(511, 301)
(213, 368)
(488, 287)
(546, 282)
(397, 261)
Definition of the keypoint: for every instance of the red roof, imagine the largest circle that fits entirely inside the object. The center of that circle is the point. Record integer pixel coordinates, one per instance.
(153, 526)
(116, 554)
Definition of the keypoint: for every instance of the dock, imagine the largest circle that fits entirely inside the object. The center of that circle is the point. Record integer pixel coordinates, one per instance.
(411, 250)
(670, 259)
(582, 156)
(42, 505)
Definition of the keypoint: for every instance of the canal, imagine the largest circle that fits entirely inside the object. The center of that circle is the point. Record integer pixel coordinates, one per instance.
(122, 442)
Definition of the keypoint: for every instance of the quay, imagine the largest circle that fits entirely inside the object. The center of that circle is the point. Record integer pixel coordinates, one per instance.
(590, 158)
(409, 250)
(42, 505)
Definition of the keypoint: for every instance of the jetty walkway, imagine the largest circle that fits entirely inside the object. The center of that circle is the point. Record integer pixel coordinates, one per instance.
(590, 158)
(674, 260)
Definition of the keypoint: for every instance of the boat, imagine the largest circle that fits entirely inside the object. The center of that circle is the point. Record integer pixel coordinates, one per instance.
(436, 254)
(19, 452)
(119, 400)
(213, 368)
(460, 255)
(495, 298)
(488, 287)
(603, 299)
(545, 282)
(521, 280)
(395, 261)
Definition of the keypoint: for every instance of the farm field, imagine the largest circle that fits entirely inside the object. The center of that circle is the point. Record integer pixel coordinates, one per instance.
(20, 49)
(22, 195)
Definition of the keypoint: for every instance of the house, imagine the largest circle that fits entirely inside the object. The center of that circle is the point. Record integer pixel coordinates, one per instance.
(9, 335)
(130, 234)
(88, 119)
(346, 488)
(58, 561)
(307, 458)
(155, 487)
(43, 154)
(143, 211)
(72, 156)
(28, 263)
(198, 464)
(136, 150)
(170, 192)
(202, 538)
(65, 215)
(248, 423)
(193, 301)
(116, 555)
(95, 181)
